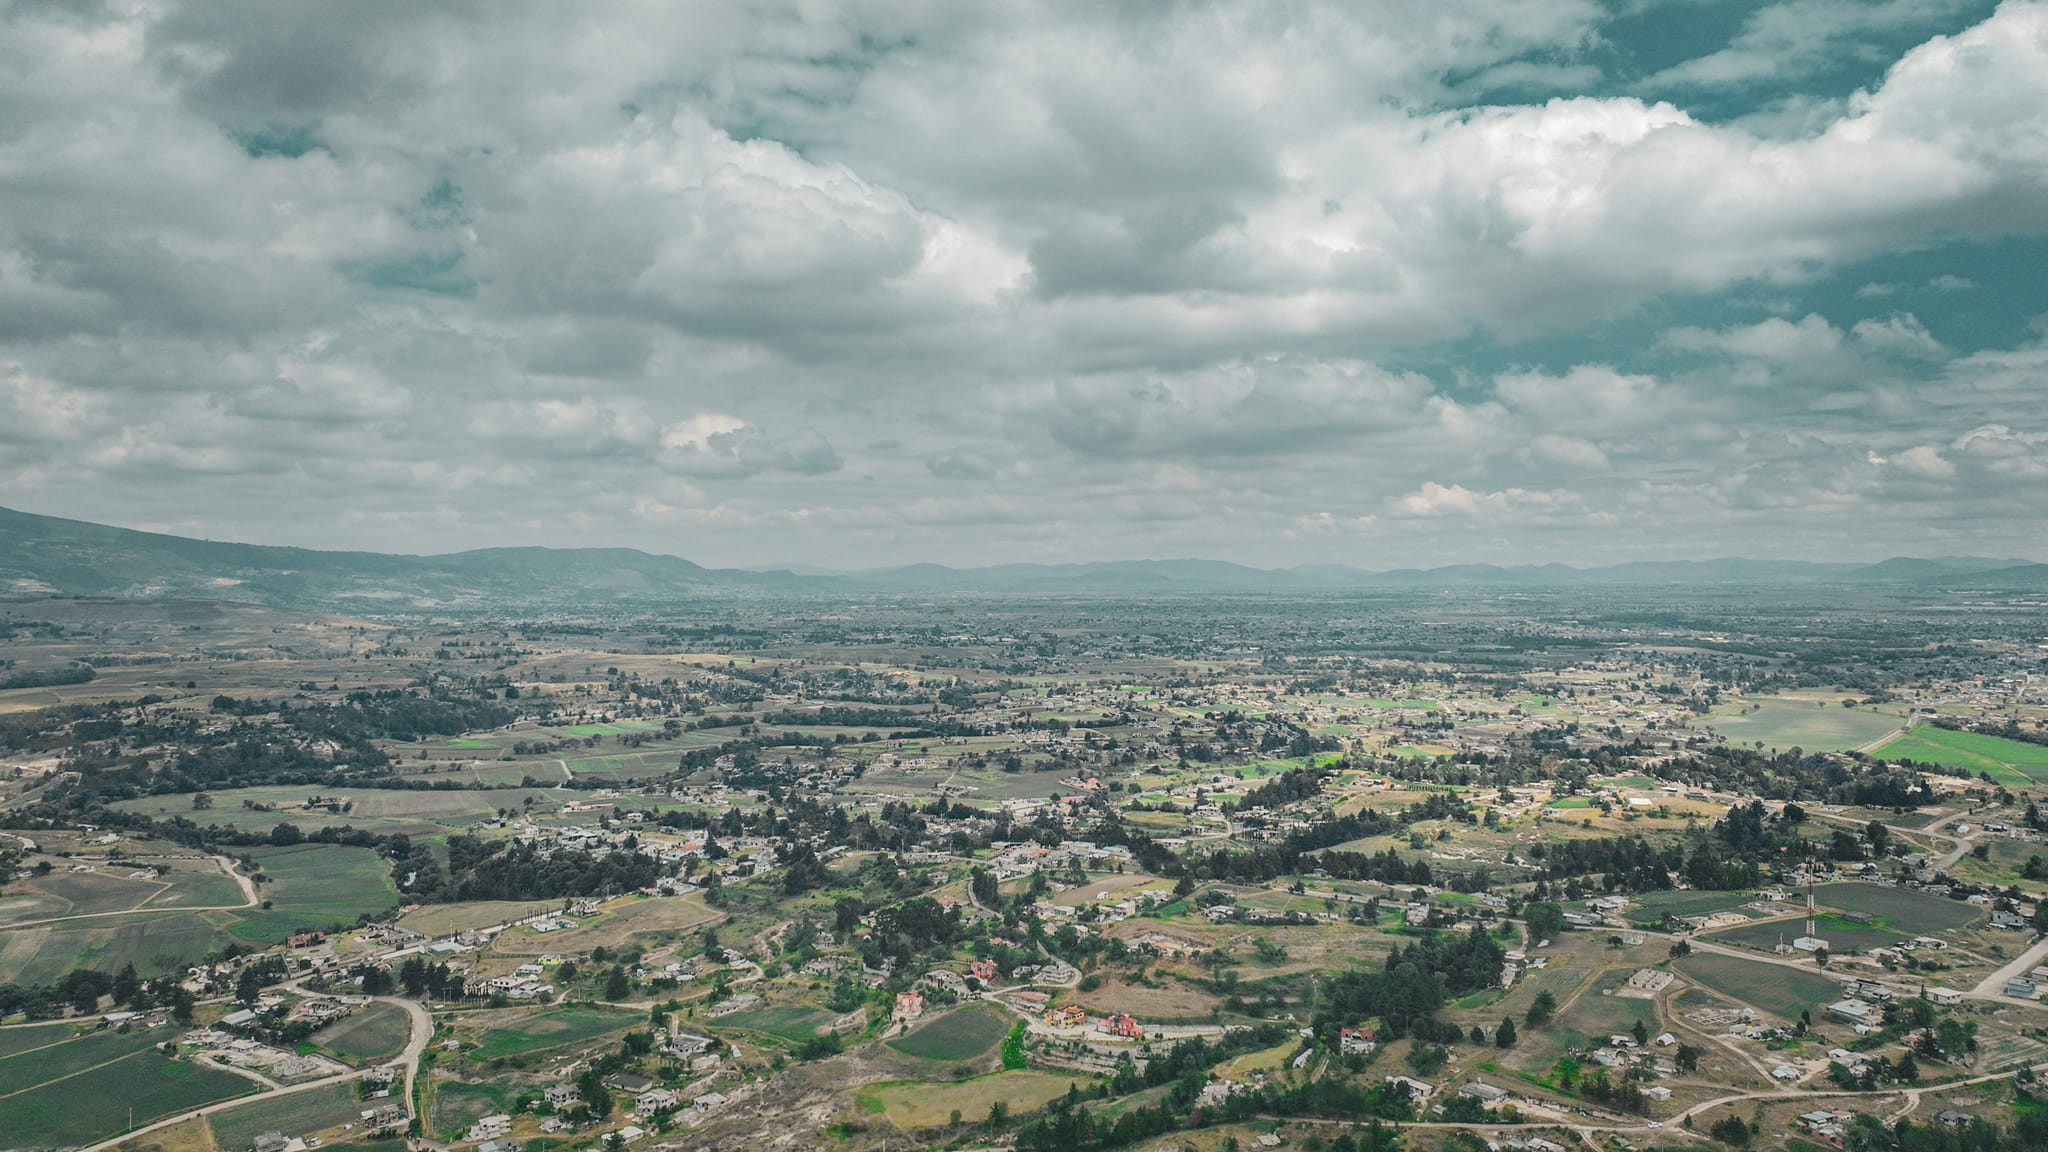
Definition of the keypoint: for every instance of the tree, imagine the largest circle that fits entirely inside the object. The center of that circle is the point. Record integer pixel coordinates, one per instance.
(1541, 1009)
(998, 1114)
(1478, 1034)
(1642, 1032)
(1504, 1036)
(1545, 920)
(596, 1097)
(616, 985)
(201, 801)
(1731, 1131)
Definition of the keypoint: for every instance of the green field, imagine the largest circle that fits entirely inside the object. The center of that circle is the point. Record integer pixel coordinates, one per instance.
(568, 1025)
(1842, 935)
(373, 1032)
(96, 1101)
(23, 1038)
(1816, 723)
(1771, 987)
(795, 1022)
(155, 942)
(457, 1105)
(297, 1114)
(27, 1069)
(2005, 761)
(316, 886)
(1901, 909)
(1652, 907)
(962, 1035)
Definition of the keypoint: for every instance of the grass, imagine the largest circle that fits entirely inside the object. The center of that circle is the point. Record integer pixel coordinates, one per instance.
(793, 1022)
(2005, 761)
(1899, 908)
(154, 942)
(96, 1104)
(1816, 723)
(568, 1025)
(1654, 906)
(1772, 987)
(316, 886)
(956, 1036)
(914, 1104)
(458, 1104)
(13, 1040)
(373, 1032)
(1842, 935)
(295, 1115)
(25, 1070)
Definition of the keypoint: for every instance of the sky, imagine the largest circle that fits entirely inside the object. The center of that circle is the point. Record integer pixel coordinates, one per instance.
(848, 285)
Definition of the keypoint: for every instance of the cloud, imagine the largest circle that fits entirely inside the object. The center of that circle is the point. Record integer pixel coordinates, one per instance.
(1434, 499)
(1003, 280)
(715, 444)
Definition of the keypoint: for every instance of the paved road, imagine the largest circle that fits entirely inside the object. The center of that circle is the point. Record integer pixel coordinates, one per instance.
(1993, 986)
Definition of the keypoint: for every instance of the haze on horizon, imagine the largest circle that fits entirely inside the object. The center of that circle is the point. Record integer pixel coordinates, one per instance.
(853, 285)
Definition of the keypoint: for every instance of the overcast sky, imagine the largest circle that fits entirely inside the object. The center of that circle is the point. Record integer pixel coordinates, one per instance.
(1388, 284)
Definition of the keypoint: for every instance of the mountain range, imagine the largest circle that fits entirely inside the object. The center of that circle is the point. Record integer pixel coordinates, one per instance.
(46, 555)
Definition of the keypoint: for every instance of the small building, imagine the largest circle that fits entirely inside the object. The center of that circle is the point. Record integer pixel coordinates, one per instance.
(2021, 987)
(631, 1083)
(1483, 1092)
(1854, 1011)
(909, 1006)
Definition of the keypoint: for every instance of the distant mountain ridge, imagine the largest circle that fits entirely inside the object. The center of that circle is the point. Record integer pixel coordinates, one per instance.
(46, 555)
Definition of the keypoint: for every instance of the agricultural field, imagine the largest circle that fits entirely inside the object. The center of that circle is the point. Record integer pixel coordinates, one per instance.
(1775, 988)
(793, 1022)
(1815, 722)
(301, 1112)
(2005, 761)
(1841, 934)
(914, 1104)
(571, 1024)
(372, 1032)
(87, 1089)
(966, 1034)
(1651, 907)
(1901, 909)
(316, 886)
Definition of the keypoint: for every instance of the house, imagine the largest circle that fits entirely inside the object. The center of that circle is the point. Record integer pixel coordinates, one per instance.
(1121, 1025)
(271, 1142)
(1785, 1072)
(707, 1101)
(1948, 996)
(630, 1083)
(2021, 987)
(561, 1096)
(1417, 1089)
(983, 970)
(1070, 1016)
(1854, 1011)
(655, 1100)
(631, 1134)
(909, 1006)
(1354, 1041)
